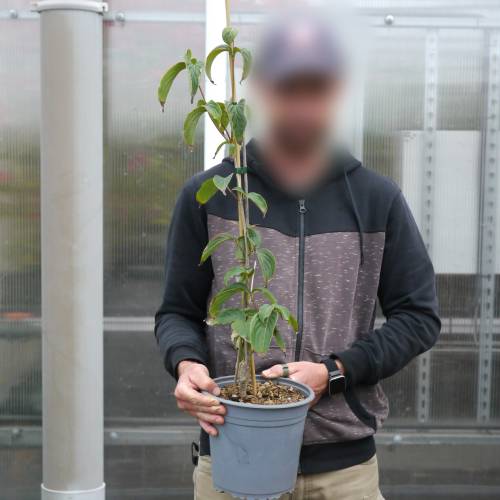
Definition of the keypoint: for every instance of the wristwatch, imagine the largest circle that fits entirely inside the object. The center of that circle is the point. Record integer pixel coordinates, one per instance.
(336, 380)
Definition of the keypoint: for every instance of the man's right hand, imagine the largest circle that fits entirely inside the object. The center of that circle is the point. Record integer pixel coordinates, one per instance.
(193, 378)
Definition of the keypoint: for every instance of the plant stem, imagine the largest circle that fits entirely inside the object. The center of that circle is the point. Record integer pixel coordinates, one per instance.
(228, 13)
(244, 349)
(245, 181)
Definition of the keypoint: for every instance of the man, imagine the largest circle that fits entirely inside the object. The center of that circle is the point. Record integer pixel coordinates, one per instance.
(343, 236)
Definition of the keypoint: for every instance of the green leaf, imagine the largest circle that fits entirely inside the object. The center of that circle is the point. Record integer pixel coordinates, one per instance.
(259, 202)
(220, 146)
(247, 62)
(292, 320)
(237, 271)
(279, 340)
(211, 57)
(167, 80)
(224, 295)
(229, 34)
(254, 237)
(265, 311)
(224, 121)
(214, 110)
(241, 327)
(261, 331)
(256, 330)
(288, 317)
(221, 183)
(194, 70)
(227, 316)
(188, 56)
(215, 243)
(267, 294)
(267, 263)
(206, 191)
(190, 124)
(237, 118)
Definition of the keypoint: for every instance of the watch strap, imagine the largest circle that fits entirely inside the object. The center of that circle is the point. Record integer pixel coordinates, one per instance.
(330, 364)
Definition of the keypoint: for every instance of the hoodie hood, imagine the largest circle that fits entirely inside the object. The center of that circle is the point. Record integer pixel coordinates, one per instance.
(342, 165)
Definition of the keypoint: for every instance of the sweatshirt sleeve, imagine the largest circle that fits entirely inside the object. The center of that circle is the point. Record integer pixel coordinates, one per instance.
(179, 322)
(407, 295)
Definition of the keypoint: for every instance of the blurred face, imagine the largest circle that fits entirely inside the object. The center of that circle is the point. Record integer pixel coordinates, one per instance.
(298, 113)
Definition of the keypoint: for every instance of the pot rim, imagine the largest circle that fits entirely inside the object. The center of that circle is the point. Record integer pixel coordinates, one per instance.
(285, 381)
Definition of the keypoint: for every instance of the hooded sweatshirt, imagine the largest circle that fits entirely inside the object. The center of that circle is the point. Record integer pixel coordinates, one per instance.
(346, 244)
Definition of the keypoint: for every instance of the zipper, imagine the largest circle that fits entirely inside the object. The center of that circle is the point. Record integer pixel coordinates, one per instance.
(300, 283)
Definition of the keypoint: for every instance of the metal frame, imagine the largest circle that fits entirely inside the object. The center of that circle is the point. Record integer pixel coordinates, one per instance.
(428, 163)
(488, 225)
(380, 17)
(180, 434)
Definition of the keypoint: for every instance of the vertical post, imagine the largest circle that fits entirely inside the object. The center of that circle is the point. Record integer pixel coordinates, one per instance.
(428, 164)
(72, 262)
(215, 22)
(489, 207)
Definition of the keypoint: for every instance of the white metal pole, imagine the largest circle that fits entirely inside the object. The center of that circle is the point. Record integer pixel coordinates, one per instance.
(72, 262)
(215, 22)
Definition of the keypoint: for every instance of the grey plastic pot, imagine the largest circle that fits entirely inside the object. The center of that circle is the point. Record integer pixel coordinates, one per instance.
(256, 453)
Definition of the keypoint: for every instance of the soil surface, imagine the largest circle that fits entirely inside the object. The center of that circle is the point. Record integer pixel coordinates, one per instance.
(268, 393)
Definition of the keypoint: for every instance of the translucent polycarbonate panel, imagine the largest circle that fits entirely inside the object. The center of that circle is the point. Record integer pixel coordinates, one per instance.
(20, 357)
(461, 78)
(16, 4)
(401, 391)
(403, 71)
(418, 5)
(495, 397)
(137, 389)
(394, 93)
(146, 161)
(454, 381)
(152, 6)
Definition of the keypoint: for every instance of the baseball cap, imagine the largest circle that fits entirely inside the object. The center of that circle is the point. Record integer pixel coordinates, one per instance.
(299, 44)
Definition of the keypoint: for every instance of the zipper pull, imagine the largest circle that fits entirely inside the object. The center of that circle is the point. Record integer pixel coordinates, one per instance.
(302, 206)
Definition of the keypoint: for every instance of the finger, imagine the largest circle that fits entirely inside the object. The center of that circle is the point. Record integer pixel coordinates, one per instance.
(208, 428)
(273, 372)
(205, 383)
(189, 395)
(277, 370)
(215, 410)
(208, 417)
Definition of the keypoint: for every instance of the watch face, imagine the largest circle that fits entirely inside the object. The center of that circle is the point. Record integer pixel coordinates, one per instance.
(337, 384)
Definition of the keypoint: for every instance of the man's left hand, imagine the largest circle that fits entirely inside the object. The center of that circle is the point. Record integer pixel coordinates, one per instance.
(315, 375)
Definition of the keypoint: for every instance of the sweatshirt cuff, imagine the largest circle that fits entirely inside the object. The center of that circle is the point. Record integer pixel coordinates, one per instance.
(356, 365)
(182, 353)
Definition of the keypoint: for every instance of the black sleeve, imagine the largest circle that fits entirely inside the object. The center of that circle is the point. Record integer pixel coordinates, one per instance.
(407, 295)
(179, 322)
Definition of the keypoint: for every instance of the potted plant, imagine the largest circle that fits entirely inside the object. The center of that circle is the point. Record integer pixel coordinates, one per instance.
(256, 452)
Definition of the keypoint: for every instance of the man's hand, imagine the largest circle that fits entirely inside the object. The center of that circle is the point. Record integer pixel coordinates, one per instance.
(315, 375)
(193, 378)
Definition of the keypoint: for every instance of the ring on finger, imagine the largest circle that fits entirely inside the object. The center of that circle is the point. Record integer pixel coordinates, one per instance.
(286, 370)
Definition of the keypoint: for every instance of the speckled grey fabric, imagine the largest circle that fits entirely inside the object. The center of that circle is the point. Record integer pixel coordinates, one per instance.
(339, 307)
